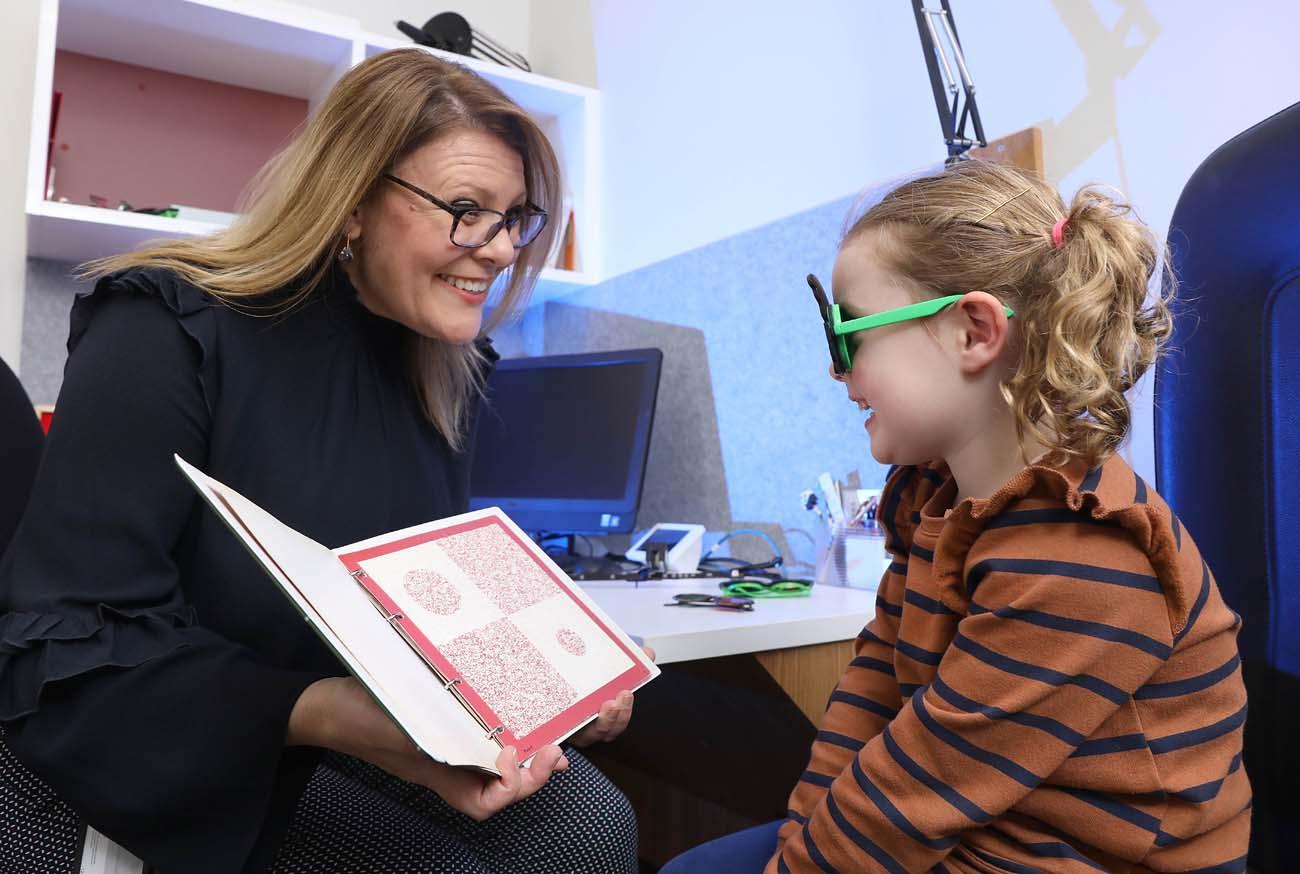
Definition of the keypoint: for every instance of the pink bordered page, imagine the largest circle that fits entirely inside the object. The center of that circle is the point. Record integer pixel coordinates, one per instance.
(463, 630)
(503, 627)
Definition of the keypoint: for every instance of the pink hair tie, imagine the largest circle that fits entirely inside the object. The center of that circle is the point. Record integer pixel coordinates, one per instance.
(1058, 232)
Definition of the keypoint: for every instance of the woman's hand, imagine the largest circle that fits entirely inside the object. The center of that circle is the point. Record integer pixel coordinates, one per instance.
(338, 714)
(613, 717)
(478, 796)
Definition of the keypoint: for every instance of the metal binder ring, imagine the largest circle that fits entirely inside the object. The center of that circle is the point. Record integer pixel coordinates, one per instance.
(496, 731)
(450, 683)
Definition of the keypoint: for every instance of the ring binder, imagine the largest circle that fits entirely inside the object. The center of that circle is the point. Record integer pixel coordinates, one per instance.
(453, 684)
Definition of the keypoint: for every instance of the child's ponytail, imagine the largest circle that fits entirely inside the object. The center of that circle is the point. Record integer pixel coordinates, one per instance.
(1089, 332)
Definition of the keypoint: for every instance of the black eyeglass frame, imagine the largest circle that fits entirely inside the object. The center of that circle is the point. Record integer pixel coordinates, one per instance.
(459, 212)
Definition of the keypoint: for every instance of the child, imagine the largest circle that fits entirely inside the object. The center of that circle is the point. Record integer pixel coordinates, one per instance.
(1051, 681)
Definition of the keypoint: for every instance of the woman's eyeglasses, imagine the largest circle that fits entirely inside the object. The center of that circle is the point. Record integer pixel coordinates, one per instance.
(840, 333)
(473, 227)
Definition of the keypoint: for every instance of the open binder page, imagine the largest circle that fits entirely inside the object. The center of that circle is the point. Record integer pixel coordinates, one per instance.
(529, 652)
(345, 617)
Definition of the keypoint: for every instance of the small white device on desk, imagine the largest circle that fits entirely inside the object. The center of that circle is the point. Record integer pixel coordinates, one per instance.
(669, 546)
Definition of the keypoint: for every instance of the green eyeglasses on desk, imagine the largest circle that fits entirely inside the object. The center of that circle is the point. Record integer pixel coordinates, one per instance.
(839, 333)
(767, 588)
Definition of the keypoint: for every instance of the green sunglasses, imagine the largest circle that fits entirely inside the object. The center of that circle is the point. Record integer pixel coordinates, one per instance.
(839, 333)
(767, 588)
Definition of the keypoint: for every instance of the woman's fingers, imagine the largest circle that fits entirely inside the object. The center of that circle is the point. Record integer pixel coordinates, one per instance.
(613, 717)
(498, 792)
(621, 717)
(545, 762)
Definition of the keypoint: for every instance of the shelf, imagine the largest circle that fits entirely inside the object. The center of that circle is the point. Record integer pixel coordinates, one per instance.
(277, 48)
(75, 233)
(286, 50)
(72, 232)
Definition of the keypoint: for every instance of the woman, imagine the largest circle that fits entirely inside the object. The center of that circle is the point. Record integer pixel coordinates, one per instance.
(323, 356)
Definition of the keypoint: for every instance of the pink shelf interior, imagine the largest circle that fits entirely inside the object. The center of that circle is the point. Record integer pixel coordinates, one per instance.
(153, 138)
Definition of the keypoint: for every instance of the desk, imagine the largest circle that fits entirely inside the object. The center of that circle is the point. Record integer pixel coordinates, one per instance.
(717, 742)
(829, 614)
(804, 643)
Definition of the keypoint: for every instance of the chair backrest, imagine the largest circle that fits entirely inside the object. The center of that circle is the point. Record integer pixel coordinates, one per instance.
(1227, 404)
(21, 441)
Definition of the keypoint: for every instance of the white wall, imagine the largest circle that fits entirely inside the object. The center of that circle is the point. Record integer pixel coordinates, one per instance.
(17, 62)
(726, 115)
(561, 44)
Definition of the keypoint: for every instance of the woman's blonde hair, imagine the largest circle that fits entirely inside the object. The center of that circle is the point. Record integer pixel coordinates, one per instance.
(1085, 325)
(295, 212)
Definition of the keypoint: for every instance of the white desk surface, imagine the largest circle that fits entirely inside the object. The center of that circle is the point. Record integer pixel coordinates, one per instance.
(828, 614)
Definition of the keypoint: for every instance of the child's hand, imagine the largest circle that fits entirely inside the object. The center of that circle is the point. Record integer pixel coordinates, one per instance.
(612, 719)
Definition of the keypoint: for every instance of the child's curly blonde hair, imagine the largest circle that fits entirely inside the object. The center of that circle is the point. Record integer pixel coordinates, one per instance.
(1085, 325)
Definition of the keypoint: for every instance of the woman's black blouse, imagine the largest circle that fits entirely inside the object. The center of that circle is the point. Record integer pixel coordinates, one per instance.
(148, 666)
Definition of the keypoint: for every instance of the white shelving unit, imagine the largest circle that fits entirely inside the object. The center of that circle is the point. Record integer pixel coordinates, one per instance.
(283, 49)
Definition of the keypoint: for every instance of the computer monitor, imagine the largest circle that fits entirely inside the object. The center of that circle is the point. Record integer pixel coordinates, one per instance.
(562, 440)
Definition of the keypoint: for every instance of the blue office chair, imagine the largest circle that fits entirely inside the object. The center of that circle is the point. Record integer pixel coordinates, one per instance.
(1227, 406)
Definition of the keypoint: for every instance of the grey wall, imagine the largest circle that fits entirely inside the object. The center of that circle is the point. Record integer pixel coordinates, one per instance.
(48, 298)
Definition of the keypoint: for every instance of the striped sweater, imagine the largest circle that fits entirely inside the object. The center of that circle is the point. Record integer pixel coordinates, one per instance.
(1050, 683)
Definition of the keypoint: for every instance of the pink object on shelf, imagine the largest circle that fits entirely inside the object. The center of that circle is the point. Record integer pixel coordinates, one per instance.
(154, 139)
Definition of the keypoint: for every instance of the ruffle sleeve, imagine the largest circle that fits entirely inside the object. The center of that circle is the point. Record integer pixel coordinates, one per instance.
(158, 730)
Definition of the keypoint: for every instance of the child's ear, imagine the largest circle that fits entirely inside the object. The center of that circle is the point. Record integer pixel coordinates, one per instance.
(983, 330)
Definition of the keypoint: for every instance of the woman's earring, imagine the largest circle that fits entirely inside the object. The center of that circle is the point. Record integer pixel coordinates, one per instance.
(346, 254)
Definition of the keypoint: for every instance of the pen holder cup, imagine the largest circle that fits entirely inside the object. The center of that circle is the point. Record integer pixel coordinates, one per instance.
(852, 556)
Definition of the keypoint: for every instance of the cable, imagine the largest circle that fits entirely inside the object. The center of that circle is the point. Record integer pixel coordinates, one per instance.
(776, 561)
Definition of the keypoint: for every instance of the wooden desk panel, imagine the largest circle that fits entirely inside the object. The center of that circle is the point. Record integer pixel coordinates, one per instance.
(808, 674)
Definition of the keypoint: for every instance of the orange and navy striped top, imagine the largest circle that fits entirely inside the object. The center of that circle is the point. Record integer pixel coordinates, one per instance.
(1050, 683)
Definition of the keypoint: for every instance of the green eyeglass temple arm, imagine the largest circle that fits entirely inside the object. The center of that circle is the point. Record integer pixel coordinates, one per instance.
(901, 314)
